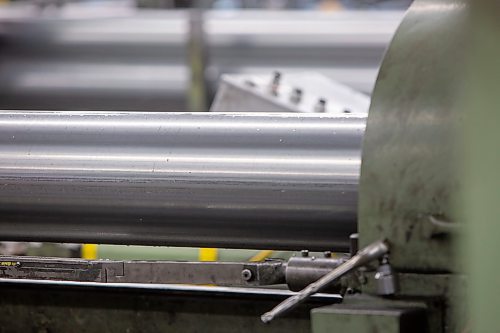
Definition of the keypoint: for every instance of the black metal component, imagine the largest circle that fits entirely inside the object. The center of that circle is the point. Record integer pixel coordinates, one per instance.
(55, 307)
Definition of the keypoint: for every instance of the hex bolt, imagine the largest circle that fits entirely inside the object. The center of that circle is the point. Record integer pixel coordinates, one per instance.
(386, 278)
(296, 96)
(320, 106)
(246, 274)
(304, 253)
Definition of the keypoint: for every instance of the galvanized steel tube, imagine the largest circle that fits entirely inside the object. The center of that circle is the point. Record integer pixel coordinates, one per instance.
(278, 181)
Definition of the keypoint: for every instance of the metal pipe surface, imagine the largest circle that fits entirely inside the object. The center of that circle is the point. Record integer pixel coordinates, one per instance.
(278, 181)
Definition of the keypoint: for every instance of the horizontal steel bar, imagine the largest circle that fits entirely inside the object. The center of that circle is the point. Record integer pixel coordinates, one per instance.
(152, 272)
(279, 181)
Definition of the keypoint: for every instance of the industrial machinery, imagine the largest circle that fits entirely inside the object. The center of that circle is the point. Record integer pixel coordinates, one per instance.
(113, 57)
(399, 211)
(292, 92)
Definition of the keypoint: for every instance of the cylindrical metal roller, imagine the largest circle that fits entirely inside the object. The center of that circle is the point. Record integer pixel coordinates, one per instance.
(278, 181)
(301, 272)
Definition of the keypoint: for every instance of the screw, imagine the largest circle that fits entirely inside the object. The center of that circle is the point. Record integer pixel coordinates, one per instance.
(347, 111)
(327, 254)
(246, 274)
(304, 253)
(320, 106)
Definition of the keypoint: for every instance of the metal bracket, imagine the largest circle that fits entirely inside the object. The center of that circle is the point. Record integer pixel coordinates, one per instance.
(160, 272)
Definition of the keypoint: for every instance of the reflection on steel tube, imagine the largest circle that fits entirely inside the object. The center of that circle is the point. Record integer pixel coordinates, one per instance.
(204, 179)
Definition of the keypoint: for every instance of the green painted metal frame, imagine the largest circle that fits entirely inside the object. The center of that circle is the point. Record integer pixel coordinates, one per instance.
(480, 206)
(408, 175)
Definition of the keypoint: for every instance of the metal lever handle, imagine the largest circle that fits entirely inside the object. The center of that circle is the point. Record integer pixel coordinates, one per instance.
(366, 255)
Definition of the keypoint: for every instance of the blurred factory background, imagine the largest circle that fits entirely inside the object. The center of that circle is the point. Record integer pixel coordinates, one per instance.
(115, 56)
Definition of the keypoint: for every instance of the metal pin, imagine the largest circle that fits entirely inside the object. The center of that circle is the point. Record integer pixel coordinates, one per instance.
(320, 106)
(296, 96)
(353, 244)
(275, 83)
(387, 283)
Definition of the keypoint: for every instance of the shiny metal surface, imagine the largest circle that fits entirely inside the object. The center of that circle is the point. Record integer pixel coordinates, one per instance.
(225, 180)
(113, 58)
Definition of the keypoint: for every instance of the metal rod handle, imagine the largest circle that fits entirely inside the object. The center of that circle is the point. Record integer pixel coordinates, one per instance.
(369, 253)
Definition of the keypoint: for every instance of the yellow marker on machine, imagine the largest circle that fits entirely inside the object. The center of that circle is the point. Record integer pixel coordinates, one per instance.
(89, 251)
(8, 263)
(261, 256)
(208, 254)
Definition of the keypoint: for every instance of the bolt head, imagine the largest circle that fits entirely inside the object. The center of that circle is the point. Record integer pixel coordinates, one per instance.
(246, 275)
